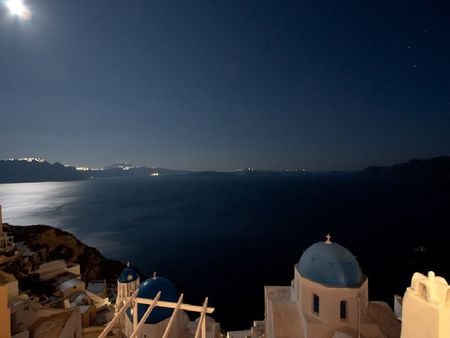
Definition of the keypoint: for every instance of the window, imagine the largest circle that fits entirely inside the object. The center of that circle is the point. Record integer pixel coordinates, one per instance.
(316, 304)
(343, 310)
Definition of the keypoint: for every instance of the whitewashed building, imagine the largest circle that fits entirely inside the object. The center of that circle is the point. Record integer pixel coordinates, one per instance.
(426, 307)
(328, 298)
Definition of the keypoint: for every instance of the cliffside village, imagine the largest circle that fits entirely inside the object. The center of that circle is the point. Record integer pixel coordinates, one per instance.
(327, 298)
(57, 303)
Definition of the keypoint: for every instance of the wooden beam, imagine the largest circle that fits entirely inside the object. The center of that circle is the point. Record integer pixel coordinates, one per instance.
(172, 305)
(172, 318)
(146, 314)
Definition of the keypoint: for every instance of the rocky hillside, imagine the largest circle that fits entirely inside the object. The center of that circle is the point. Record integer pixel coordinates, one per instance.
(52, 243)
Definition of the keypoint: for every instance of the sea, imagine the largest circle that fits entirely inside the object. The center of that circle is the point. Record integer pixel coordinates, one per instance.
(226, 237)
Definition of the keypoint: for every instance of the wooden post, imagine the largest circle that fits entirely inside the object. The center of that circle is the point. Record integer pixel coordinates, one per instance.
(201, 326)
(135, 315)
(172, 318)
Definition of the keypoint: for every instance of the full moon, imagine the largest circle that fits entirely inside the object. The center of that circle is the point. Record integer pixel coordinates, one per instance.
(18, 8)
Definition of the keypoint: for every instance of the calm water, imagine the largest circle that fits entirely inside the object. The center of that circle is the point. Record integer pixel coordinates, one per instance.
(227, 237)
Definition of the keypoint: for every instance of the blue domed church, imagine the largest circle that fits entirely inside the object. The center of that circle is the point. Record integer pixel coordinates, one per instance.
(328, 298)
(156, 323)
(133, 317)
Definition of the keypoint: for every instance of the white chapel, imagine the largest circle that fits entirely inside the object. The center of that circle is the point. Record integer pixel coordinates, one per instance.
(328, 298)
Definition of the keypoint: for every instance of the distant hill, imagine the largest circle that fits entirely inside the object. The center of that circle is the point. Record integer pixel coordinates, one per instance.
(128, 170)
(250, 172)
(435, 169)
(12, 171)
(16, 171)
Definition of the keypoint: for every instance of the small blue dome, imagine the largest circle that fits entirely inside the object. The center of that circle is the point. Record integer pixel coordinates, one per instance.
(148, 290)
(129, 274)
(330, 264)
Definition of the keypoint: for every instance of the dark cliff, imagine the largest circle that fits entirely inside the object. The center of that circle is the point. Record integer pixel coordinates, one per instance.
(436, 169)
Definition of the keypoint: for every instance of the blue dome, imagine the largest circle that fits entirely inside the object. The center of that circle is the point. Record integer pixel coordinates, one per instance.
(129, 274)
(148, 290)
(330, 264)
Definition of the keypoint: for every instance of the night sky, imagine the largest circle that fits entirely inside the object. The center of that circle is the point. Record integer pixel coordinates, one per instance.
(220, 85)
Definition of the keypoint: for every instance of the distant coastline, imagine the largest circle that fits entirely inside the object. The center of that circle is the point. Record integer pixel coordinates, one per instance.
(16, 171)
(21, 171)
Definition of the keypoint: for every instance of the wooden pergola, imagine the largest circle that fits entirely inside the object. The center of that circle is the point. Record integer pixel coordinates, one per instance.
(134, 301)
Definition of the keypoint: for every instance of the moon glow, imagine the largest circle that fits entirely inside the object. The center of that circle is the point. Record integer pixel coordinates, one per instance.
(17, 8)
